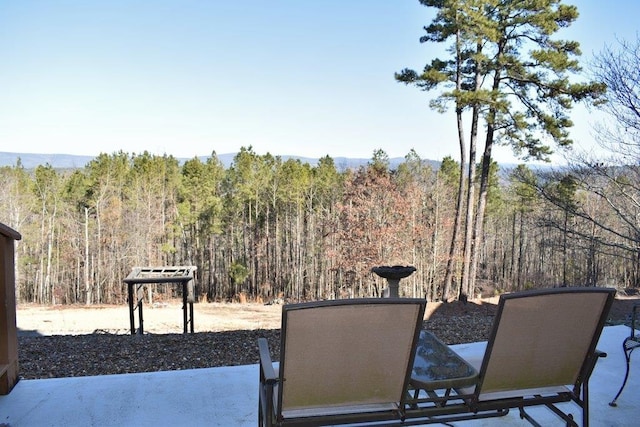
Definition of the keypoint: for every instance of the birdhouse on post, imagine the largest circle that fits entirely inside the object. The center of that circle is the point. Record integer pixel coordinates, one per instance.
(8, 329)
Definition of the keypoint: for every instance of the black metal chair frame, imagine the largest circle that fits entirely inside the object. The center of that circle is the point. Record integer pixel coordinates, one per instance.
(628, 345)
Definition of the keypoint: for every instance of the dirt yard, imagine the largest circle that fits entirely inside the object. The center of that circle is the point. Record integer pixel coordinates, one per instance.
(158, 319)
(166, 318)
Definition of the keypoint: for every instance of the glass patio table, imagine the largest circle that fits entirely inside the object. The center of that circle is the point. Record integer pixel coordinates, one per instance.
(438, 367)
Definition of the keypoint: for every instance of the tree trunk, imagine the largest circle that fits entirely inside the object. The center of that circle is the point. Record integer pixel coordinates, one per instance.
(478, 230)
(468, 232)
(453, 248)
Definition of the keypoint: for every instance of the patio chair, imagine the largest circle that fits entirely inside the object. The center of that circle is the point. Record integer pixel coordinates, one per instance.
(342, 361)
(628, 345)
(541, 351)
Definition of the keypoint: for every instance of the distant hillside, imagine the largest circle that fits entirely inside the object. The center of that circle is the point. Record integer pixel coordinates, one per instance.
(30, 160)
(70, 161)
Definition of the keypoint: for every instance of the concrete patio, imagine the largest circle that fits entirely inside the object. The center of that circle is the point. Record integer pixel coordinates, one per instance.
(227, 396)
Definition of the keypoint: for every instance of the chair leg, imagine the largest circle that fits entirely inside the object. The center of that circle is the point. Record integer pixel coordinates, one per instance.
(627, 355)
(568, 418)
(264, 413)
(527, 417)
(260, 415)
(585, 404)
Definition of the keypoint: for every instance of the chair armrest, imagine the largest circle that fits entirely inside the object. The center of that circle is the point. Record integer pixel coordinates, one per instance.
(266, 365)
(590, 365)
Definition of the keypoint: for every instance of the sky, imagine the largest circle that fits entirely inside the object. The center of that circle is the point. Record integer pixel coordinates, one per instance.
(187, 77)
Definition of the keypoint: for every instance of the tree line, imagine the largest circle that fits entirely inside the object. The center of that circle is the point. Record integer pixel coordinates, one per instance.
(266, 229)
(269, 229)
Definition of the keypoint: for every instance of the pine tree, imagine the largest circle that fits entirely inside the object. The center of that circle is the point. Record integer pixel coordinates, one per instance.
(508, 73)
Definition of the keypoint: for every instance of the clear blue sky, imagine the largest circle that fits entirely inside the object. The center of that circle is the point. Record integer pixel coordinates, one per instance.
(186, 77)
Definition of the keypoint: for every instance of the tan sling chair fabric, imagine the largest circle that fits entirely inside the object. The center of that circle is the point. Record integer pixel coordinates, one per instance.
(542, 341)
(541, 352)
(350, 361)
(345, 357)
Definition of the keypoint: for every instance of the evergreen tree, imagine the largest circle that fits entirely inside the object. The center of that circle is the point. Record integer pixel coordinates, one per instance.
(507, 72)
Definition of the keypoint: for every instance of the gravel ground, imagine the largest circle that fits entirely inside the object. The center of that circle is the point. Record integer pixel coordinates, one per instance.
(107, 352)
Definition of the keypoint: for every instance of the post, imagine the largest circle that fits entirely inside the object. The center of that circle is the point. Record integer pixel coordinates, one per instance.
(132, 318)
(8, 329)
(393, 275)
(394, 288)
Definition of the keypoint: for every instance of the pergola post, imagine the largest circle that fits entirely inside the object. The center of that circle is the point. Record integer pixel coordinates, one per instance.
(8, 329)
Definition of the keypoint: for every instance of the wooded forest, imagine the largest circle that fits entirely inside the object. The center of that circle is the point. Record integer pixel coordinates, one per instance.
(266, 229)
